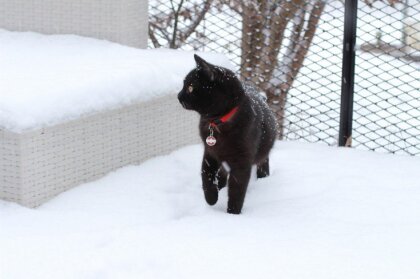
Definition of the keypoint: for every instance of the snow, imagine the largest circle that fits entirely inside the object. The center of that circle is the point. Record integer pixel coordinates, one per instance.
(49, 79)
(323, 213)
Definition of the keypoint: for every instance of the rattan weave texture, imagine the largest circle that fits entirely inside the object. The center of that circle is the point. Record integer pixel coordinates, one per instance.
(122, 21)
(37, 165)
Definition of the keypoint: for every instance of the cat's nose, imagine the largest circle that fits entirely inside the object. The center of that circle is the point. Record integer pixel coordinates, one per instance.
(180, 99)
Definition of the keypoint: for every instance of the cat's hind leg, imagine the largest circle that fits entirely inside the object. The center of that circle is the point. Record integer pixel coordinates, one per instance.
(263, 168)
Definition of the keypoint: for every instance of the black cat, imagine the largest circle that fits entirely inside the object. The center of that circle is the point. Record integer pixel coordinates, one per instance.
(237, 127)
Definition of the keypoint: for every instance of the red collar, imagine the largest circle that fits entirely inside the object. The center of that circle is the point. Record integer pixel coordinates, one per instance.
(224, 118)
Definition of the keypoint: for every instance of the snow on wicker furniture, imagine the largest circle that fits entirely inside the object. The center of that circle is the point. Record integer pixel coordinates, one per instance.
(73, 109)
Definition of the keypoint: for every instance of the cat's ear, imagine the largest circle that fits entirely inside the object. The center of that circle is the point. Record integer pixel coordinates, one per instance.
(208, 69)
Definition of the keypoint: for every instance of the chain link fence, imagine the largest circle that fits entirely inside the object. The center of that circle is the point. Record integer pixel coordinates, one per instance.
(387, 80)
(292, 50)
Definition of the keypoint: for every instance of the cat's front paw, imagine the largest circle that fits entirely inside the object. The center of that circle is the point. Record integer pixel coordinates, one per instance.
(211, 195)
(233, 211)
(234, 207)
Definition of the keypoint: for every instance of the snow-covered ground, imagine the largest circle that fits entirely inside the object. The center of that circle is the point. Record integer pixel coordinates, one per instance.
(48, 79)
(323, 213)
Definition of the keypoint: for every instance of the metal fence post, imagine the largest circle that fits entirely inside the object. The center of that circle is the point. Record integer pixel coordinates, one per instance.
(347, 82)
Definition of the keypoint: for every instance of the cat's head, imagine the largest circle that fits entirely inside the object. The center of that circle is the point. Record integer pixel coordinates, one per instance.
(210, 90)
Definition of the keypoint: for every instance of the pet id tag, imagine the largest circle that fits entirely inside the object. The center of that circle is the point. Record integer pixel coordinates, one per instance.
(211, 140)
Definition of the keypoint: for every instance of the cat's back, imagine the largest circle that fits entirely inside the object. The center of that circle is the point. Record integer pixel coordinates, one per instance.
(265, 120)
(259, 105)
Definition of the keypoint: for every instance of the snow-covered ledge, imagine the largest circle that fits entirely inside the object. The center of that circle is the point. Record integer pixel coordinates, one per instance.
(73, 109)
(122, 21)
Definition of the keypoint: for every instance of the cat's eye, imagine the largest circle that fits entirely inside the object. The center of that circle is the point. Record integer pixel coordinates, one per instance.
(190, 89)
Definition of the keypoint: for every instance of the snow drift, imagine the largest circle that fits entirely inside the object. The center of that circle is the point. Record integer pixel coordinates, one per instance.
(323, 213)
(49, 79)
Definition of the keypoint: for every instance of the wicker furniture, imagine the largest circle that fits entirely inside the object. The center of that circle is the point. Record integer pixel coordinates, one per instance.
(122, 21)
(37, 165)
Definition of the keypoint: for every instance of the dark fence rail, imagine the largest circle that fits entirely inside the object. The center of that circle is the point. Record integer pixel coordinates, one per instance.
(293, 51)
